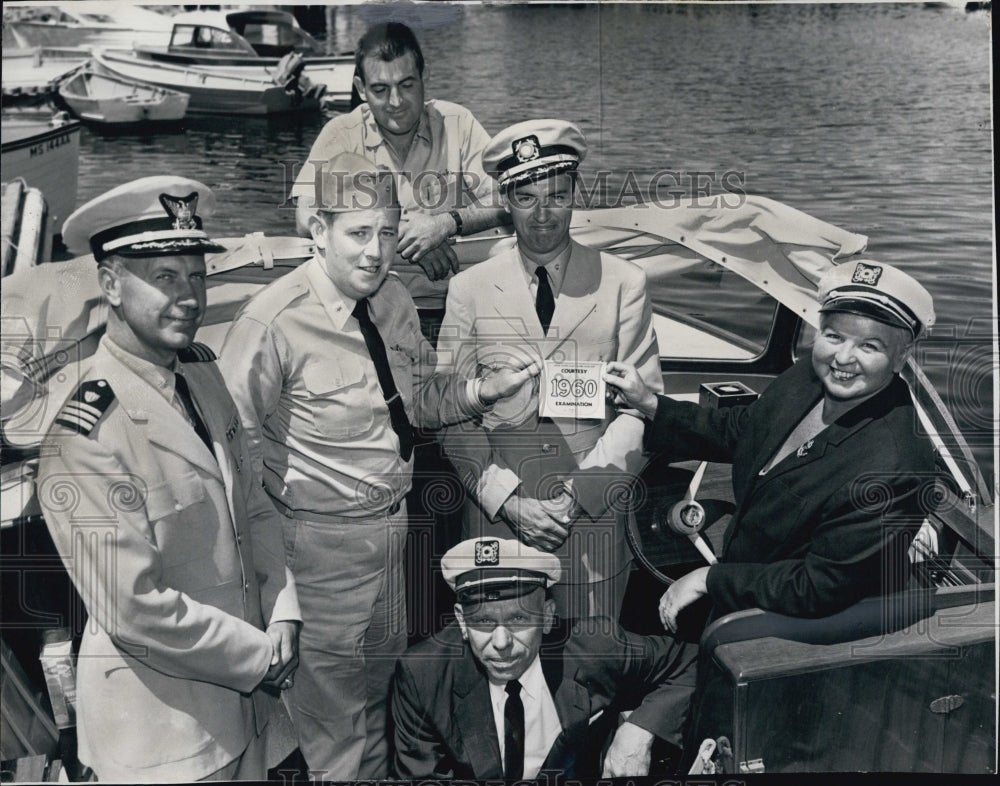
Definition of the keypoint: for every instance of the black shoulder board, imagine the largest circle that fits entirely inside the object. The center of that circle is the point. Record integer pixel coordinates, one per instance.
(196, 353)
(82, 412)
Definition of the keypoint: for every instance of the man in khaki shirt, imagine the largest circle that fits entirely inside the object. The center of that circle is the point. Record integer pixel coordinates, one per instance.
(432, 147)
(329, 369)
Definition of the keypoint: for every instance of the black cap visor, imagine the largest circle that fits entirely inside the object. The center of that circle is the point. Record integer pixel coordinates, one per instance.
(872, 310)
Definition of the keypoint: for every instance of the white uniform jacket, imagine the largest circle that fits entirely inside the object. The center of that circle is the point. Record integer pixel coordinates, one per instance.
(602, 313)
(178, 556)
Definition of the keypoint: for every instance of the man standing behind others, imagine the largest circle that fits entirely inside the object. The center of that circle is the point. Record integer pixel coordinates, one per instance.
(168, 536)
(329, 369)
(434, 147)
(555, 483)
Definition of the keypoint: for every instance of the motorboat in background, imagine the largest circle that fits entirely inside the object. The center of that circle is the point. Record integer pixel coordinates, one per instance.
(108, 100)
(216, 92)
(253, 45)
(83, 24)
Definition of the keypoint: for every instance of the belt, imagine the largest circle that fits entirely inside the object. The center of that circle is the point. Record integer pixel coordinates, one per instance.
(392, 510)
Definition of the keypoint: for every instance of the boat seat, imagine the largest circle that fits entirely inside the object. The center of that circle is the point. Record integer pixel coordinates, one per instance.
(860, 688)
(868, 617)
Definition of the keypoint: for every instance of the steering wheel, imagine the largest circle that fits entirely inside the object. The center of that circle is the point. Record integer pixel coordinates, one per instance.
(665, 521)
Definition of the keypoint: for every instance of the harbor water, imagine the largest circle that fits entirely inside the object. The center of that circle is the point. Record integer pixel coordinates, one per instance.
(873, 117)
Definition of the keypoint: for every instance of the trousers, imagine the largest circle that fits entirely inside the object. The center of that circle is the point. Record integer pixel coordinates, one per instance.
(351, 585)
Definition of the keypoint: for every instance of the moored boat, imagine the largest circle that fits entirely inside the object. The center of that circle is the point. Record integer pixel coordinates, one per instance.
(83, 24)
(250, 44)
(210, 91)
(100, 98)
(33, 70)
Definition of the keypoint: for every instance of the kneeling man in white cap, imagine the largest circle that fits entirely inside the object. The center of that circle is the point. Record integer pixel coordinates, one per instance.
(504, 692)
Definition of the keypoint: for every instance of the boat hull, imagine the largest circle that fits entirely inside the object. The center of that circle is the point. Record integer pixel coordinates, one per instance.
(32, 69)
(334, 71)
(40, 34)
(101, 99)
(45, 158)
(210, 92)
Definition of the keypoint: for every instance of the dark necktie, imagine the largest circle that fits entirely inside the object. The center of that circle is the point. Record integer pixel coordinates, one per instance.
(184, 396)
(376, 349)
(545, 303)
(513, 733)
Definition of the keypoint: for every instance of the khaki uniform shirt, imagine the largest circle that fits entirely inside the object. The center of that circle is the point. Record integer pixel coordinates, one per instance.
(309, 396)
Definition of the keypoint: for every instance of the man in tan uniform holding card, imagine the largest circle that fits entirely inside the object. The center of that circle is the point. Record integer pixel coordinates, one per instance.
(557, 483)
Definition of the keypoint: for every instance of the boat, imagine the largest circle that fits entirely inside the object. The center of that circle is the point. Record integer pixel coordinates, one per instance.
(212, 91)
(44, 152)
(245, 43)
(83, 24)
(99, 98)
(904, 683)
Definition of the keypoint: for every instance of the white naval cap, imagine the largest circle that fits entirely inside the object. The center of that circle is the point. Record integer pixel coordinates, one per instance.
(879, 291)
(483, 569)
(148, 217)
(532, 150)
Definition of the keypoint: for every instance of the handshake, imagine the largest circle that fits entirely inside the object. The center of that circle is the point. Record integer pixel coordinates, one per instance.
(542, 523)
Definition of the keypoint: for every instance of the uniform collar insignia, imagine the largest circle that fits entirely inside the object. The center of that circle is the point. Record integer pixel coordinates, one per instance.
(801, 452)
(181, 209)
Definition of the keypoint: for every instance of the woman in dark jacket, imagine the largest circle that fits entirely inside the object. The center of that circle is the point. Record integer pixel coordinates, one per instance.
(828, 464)
(830, 471)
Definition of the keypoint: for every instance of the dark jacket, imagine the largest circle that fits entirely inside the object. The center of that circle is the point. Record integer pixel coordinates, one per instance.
(443, 720)
(828, 525)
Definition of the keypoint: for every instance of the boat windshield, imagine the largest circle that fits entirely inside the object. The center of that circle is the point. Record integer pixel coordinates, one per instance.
(269, 40)
(272, 34)
(201, 37)
(701, 309)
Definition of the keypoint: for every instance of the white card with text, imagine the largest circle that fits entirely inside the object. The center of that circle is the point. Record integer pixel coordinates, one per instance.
(572, 389)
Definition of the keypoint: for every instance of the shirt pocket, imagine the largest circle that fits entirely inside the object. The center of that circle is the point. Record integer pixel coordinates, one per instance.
(171, 497)
(437, 192)
(338, 397)
(403, 359)
(188, 531)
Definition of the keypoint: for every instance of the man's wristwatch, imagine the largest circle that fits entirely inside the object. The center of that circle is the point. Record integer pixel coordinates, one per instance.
(457, 218)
